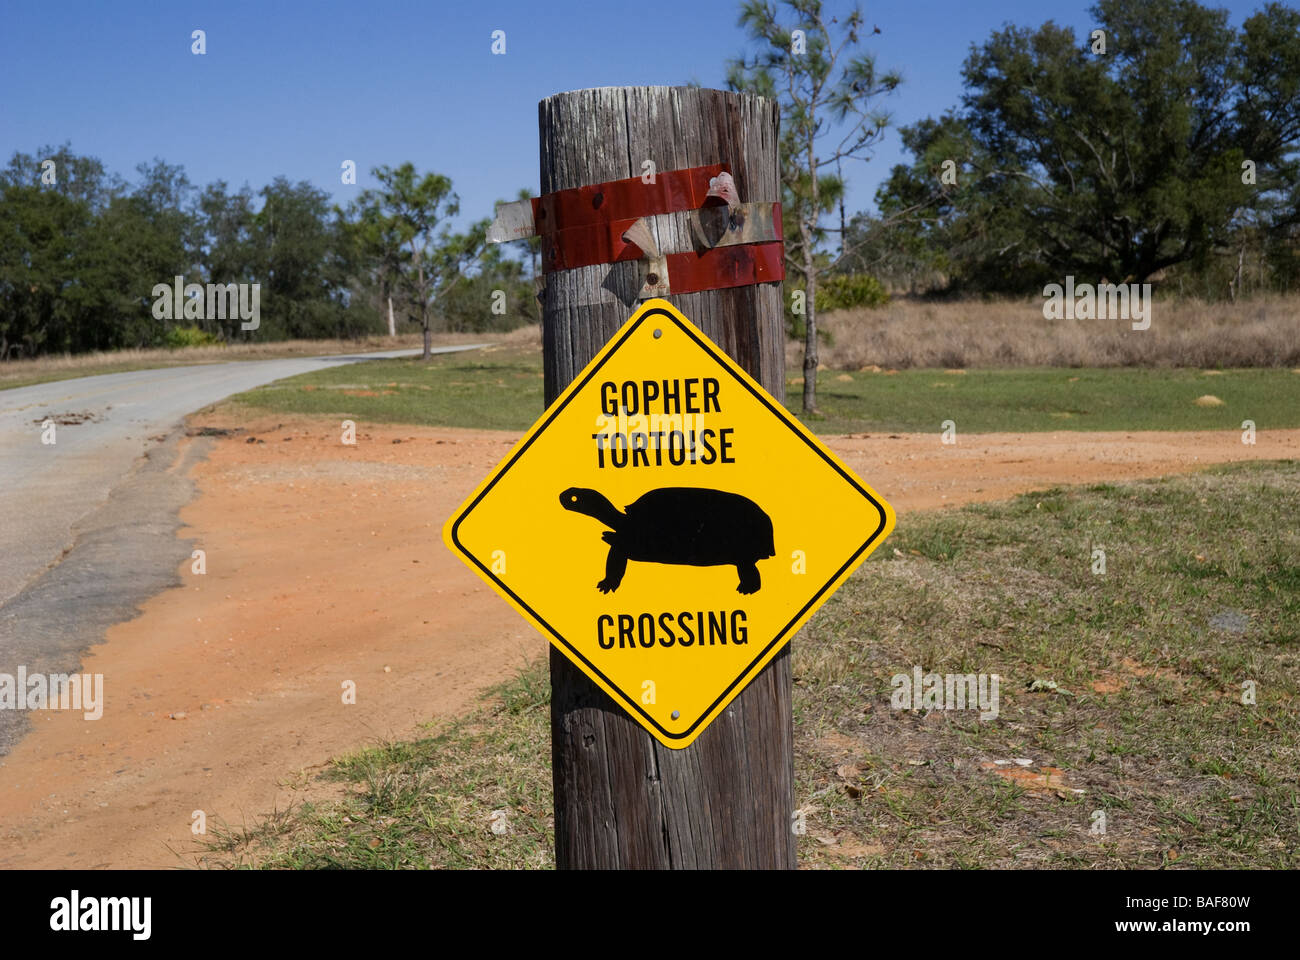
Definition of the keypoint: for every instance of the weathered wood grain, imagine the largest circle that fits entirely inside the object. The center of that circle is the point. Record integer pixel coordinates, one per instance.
(622, 800)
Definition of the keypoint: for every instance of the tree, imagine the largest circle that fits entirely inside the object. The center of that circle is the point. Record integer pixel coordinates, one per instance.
(1118, 162)
(297, 260)
(78, 178)
(228, 245)
(79, 256)
(139, 240)
(497, 295)
(815, 78)
(477, 303)
(405, 221)
(40, 231)
(374, 248)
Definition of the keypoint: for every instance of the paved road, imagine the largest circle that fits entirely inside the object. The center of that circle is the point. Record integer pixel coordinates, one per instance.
(45, 490)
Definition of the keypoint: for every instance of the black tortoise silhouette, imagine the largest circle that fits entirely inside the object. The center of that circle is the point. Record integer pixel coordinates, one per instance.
(687, 525)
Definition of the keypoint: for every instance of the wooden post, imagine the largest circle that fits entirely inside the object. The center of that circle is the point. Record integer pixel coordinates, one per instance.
(623, 800)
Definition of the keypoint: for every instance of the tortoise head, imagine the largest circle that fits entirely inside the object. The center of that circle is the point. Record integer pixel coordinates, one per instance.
(590, 502)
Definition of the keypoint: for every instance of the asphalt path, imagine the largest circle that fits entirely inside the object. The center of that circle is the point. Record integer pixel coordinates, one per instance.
(47, 489)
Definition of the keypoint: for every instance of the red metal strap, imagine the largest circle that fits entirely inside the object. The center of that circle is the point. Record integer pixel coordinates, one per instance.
(600, 243)
(585, 246)
(627, 199)
(585, 226)
(724, 267)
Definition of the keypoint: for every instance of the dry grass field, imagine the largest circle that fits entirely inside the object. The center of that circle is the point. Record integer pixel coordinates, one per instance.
(1261, 332)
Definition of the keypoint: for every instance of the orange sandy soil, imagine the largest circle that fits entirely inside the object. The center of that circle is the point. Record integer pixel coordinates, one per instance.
(325, 564)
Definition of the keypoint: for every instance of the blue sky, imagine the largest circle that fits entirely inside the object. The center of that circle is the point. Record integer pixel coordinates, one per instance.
(297, 88)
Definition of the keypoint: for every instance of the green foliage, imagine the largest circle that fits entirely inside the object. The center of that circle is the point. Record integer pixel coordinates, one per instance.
(840, 291)
(402, 228)
(1119, 164)
(178, 337)
(796, 328)
(498, 295)
(79, 257)
(296, 252)
(835, 291)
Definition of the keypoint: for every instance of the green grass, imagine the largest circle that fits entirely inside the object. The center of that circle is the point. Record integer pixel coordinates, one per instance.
(1028, 399)
(497, 387)
(501, 387)
(1129, 683)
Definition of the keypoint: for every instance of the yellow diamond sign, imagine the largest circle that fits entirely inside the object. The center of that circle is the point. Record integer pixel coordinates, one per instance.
(668, 525)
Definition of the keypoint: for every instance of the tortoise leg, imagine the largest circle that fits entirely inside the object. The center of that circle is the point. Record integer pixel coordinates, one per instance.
(615, 567)
(749, 579)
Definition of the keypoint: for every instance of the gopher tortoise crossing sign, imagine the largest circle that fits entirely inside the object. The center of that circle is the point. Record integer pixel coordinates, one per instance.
(668, 525)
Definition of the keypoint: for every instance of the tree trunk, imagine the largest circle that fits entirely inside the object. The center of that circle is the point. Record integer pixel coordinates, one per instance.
(810, 359)
(622, 799)
(806, 230)
(392, 326)
(425, 320)
(1234, 287)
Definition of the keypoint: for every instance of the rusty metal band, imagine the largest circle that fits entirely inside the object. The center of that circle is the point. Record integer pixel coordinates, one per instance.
(628, 199)
(588, 246)
(725, 267)
(606, 243)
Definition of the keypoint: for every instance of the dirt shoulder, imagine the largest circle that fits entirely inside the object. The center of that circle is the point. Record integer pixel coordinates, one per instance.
(325, 566)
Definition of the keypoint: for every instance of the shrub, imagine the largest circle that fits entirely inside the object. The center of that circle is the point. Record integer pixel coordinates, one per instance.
(796, 328)
(178, 337)
(838, 291)
(841, 291)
